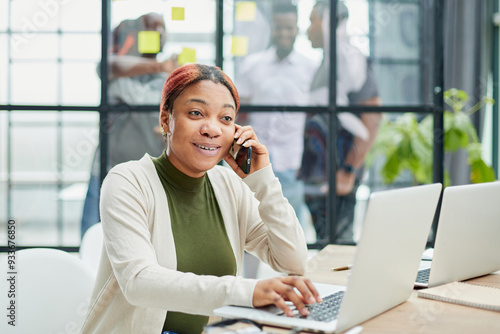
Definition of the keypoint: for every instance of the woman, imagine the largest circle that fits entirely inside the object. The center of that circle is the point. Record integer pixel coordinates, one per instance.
(176, 226)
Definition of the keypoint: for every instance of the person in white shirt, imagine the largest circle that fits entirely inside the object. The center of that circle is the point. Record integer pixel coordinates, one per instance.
(280, 75)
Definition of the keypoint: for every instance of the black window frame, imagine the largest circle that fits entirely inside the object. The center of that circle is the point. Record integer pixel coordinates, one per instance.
(436, 107)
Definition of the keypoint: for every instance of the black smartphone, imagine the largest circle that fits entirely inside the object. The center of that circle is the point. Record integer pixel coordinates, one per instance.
(242, 155)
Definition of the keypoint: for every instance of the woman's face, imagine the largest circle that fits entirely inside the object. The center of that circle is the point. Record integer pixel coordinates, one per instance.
(201, 127)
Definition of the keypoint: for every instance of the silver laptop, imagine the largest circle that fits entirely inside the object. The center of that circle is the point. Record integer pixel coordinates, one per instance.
(395, 230)
(467, 240)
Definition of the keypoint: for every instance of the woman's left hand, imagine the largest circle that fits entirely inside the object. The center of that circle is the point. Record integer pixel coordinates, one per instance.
(245, 136)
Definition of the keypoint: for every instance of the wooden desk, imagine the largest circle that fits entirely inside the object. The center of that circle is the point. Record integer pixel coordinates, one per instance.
(417, 315)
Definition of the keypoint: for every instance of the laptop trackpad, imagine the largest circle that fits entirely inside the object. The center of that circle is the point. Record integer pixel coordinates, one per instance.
(273, 309)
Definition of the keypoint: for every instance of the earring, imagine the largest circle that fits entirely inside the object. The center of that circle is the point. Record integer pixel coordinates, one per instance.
(163, 133)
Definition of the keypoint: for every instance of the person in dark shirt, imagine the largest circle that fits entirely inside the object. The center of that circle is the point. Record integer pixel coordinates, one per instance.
(356, 85)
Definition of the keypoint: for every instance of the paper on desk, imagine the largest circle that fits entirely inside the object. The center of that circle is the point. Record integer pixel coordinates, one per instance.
(465, 294)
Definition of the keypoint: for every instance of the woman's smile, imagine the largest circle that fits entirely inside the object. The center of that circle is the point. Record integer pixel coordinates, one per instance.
(208, 149)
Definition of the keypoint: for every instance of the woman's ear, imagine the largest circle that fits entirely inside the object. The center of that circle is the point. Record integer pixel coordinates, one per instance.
(165, 121)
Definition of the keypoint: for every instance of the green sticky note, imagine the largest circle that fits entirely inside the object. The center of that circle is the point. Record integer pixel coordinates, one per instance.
(148, 42)
(239, 46)
(187, 55)
(178, 13)
(245, 11)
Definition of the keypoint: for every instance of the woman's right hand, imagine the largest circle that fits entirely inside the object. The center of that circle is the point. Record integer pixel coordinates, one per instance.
(245, 136)
(299, 290)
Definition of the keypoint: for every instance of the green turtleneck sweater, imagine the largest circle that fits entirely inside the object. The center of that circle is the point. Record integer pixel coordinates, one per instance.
(201, 242)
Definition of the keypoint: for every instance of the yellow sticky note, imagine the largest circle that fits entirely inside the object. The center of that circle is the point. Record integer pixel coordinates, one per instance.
(148, 42)
(245, 11)
(178, 13)
(187, 55)
(239, 46)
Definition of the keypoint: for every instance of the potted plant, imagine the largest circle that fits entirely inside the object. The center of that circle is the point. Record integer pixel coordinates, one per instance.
(407, 142)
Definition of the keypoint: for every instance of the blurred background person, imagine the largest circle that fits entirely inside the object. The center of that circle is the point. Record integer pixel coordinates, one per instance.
(356, 85)
(280, 75)
(135, 78)
(127, 60)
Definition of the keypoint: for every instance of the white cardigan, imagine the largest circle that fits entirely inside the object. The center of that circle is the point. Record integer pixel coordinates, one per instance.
(137, 280)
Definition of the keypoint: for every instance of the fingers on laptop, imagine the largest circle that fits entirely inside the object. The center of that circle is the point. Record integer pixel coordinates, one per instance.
(279, 290)
(307, 290)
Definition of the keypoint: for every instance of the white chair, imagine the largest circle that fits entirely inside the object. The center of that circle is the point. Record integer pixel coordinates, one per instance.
(52, 292)
(91, 246)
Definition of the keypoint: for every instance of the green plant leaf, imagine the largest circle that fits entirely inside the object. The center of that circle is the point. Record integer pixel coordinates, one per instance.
(392, 167)
(426, 128)
(474, 152)
(408, 143)
(462, 95)
(385, 142)
(455, 139)
(449, 120)
(456, 99)
(423, 139)
(421, 172)
(463, 122)
(405, 150)
(481, 172)
(489, 100)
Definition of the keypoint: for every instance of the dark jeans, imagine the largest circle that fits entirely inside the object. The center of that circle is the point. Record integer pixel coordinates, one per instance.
(344, 222)
(90, 214)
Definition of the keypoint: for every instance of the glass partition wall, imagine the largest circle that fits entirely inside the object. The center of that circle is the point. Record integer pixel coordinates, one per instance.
(324, 103)
(49, 117)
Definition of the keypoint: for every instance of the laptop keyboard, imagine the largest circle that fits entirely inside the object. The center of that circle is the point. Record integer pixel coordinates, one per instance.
(328, 309)
(423, 276)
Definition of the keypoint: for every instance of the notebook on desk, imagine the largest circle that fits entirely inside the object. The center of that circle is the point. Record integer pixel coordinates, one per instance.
(467, 240)
(395, 230)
